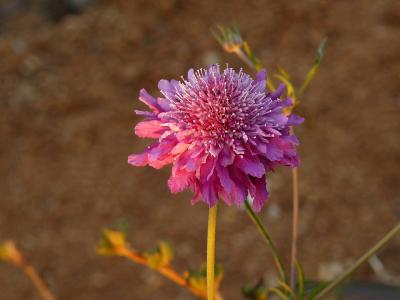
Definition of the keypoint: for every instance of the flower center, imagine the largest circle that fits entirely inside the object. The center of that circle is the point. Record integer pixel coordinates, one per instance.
(220, 109)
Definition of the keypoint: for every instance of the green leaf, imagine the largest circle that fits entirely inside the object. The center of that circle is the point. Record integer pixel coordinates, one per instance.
(120, 225)
(285, 287)
(255, 292)
(160, 256)
(315, 290)
(300, 279)
(110, 240)
(3, 252)
(314, 68)
(279, 293)
(197, 278)
(283, 72)
(321, 50)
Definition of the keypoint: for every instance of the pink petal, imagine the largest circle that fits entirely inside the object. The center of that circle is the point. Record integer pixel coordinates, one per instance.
(161, 155)
(187, 160)
(142, 159)
(179, 182)
(159, 163)
(149, 129)
(138, 160)
(196, 192)
(180, 148)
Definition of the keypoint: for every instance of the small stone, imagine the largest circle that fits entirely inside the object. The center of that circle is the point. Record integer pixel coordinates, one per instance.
(274, 211)
(328, 271)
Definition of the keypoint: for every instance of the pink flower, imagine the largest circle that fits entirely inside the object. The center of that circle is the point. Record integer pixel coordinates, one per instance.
(221, 131)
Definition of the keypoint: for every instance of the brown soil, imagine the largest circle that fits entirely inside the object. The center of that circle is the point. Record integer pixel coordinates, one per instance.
(69, 85)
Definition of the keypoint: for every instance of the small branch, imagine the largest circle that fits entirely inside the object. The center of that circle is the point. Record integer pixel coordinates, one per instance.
(166, 271)
(267, 238)
(245, 59)
(387, 238)
(13, 255)
(249, 63)
(38, 282)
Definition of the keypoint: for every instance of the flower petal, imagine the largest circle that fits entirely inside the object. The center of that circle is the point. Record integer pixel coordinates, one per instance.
(208, 192)
(278, 92)
(226, 157)
(207, 169)
(138, 160)
(179, 182)
(240, 190)
(251, 165)
(261, 75)
(274, 153)
(149, 100)
(150, 129)
(224, 178)
(260, 193)
(294, 120)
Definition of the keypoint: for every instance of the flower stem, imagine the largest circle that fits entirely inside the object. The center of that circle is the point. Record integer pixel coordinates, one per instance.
(267, 238)
(295, 229)
(38, 282)
(166, 271)
(245, 59)
(330, 287)
(212, 222)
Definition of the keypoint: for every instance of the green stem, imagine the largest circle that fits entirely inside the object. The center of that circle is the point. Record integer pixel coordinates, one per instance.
(390, 235)
(212, 223)
(246, 60)
(295, 229)
(267, 238)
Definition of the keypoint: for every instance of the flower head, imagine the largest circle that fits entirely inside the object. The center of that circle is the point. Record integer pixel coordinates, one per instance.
(229, 38)
(221, 131)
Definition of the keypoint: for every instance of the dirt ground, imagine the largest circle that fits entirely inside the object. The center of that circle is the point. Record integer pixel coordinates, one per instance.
(69, 85)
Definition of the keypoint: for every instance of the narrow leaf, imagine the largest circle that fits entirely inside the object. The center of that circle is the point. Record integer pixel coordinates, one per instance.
(283, 72)
(279, 293)
(315, 290)
(300, 279)
(314, 68)
(287, 288)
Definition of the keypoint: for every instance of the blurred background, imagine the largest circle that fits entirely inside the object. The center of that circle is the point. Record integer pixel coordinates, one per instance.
(70, 74)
